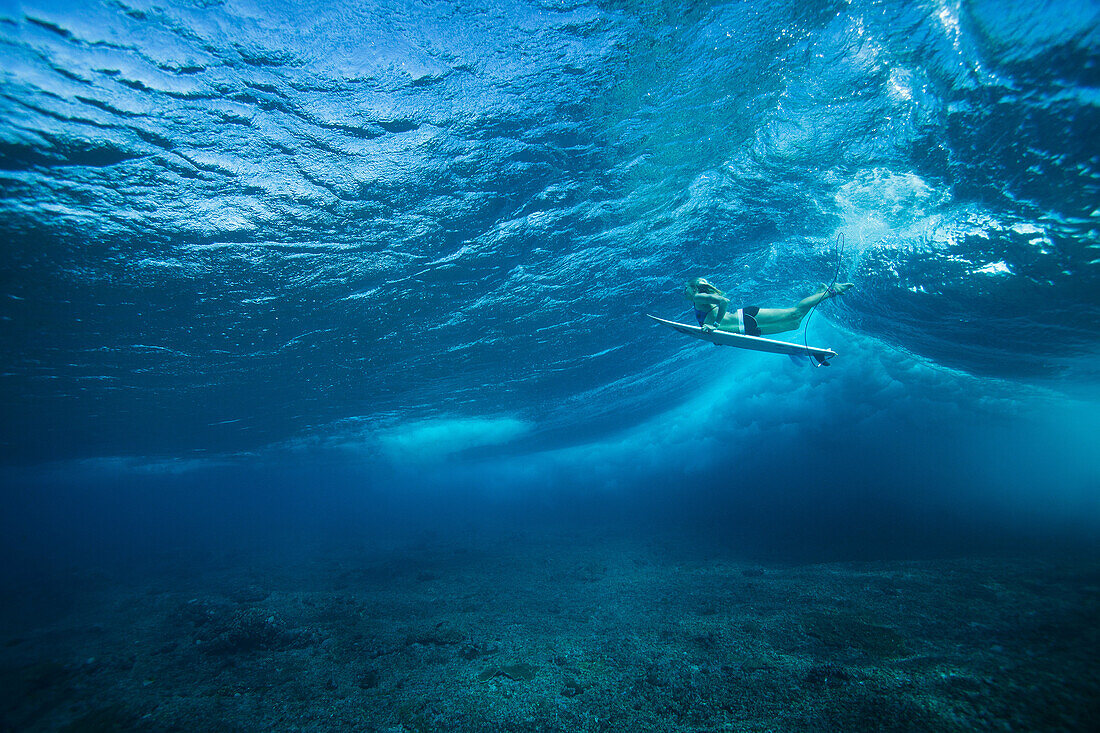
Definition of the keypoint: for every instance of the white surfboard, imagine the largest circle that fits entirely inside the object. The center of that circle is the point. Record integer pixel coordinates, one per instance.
(755, 343)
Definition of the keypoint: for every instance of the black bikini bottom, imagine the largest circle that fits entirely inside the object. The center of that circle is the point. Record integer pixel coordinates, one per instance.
(748, 314)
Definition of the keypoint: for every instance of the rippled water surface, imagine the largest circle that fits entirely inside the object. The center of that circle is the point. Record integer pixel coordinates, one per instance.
(232, 225)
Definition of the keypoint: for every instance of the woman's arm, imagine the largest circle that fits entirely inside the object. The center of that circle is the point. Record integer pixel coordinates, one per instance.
(710, 300)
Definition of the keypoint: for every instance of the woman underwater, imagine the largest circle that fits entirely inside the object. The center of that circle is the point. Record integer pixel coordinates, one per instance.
(713, 312)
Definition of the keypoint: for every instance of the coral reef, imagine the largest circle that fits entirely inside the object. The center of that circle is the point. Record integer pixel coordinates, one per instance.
(577, 634)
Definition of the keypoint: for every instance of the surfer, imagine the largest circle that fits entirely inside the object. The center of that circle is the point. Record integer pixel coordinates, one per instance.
(712, 310)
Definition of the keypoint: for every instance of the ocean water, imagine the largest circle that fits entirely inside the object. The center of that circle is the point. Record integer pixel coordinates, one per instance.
(330, 402)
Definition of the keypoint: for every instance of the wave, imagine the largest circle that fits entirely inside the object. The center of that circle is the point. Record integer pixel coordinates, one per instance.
(306, 215)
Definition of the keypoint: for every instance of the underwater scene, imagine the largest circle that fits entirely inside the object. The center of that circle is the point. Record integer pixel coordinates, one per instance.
(335, 396)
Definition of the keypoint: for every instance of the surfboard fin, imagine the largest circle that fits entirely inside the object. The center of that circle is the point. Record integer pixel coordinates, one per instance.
(796, 359)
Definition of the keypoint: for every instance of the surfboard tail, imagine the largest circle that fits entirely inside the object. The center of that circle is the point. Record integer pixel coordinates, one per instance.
(818, 360)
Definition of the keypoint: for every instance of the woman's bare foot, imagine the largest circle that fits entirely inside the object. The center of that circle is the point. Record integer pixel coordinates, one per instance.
(833, 290)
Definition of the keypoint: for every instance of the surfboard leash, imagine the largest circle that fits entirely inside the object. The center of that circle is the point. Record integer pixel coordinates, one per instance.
(806, 329)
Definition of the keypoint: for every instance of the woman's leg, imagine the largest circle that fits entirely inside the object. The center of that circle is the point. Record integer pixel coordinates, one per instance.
(779, 320)
(824, 292)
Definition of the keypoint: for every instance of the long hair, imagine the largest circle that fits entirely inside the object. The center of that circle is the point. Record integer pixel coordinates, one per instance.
(702, 285)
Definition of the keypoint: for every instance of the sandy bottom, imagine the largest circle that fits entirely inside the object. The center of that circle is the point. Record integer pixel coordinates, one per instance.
(559, 633)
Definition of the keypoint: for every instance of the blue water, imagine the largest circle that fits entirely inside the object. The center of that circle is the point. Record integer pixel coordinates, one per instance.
(276, 274)
(424, 235)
